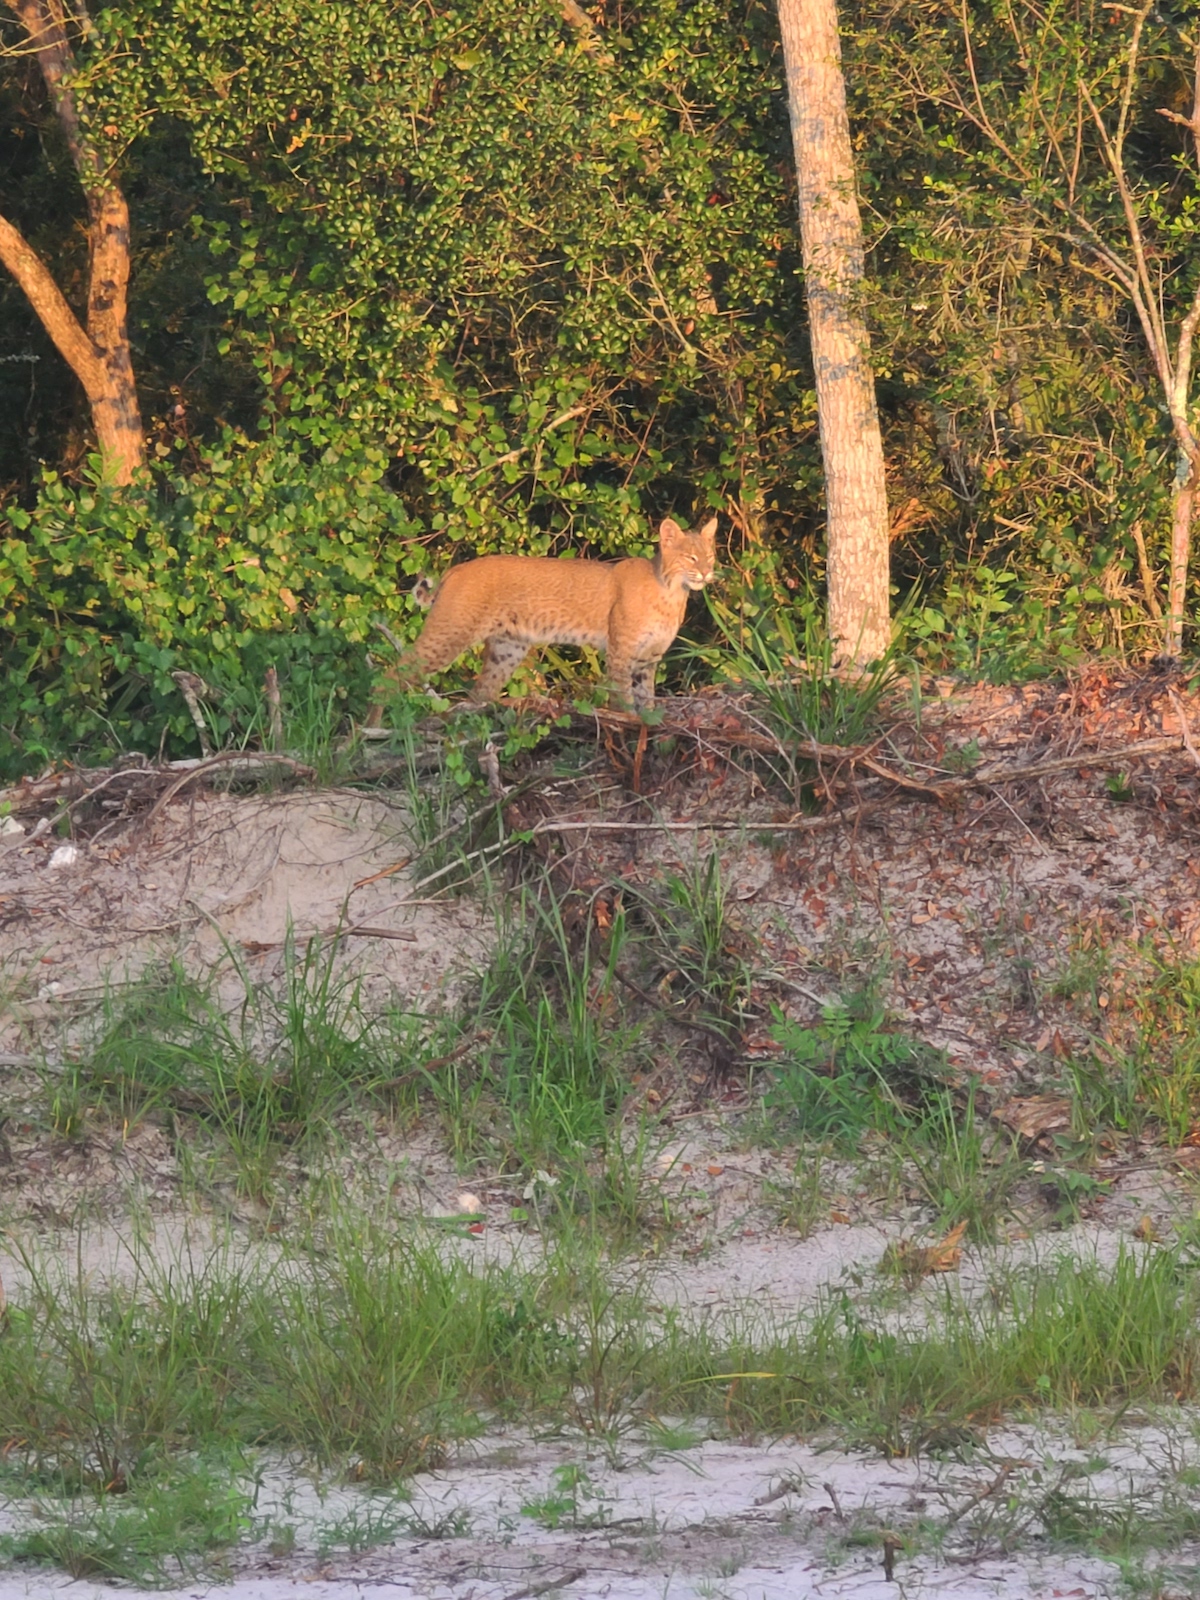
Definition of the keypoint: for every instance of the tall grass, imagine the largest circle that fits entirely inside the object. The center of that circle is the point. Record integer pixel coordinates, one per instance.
(377, 1349)
(1143, 1070)
(261, 1072)
(546, 1088)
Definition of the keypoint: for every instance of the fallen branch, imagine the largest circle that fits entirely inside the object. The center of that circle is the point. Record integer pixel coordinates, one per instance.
(987, 777)
(534, 1590)
(74, 785)
(239, 762)
(389, 1085)
(981, 1495)
(716, 825)
(723, 1042)
(864, 755)
(739, 737)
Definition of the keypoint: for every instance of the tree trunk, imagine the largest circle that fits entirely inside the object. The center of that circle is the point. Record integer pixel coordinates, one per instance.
(1182, 507)
(99, 356)
(832, 248)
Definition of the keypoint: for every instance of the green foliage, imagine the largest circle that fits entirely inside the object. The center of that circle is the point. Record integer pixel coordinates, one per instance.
(848, 1074)
(259, 560)
(414, 266)
(525, 281)
(173, 1521)
(416, 285)
(852, 1077)
(566, 1503)
(1026, 415)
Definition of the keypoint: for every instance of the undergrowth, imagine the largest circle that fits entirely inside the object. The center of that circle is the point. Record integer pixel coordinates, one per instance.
(853, 1081)
(374, 1351)
(172, 1522)
(367, 1343)
(255, 1074)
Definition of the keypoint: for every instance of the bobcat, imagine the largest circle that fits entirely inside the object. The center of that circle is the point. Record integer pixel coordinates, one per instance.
(630, 609)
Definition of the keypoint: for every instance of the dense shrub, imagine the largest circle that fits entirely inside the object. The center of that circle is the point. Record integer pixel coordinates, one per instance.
(417, 283)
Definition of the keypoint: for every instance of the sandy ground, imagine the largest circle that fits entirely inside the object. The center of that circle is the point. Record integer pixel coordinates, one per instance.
(720, 1521)
(708, 1519)
(218, 873)
(964, 914)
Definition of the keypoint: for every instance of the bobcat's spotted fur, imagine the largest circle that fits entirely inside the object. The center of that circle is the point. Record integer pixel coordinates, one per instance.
(630, 609)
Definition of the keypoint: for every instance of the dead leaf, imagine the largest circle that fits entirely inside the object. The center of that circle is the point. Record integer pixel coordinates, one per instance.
(914, 1262)
(1035, 1117)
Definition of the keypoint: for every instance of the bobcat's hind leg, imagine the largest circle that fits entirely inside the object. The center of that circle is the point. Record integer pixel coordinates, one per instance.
(501, 658)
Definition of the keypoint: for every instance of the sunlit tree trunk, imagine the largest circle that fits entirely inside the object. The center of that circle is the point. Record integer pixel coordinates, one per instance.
(832, 247)
(98, 354)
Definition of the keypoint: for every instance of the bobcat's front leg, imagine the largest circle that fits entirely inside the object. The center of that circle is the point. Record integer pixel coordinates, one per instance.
(619, 671)
(643, 684)
(632, 683)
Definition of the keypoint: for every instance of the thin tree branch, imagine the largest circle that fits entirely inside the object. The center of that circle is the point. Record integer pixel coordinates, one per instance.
(982, 120)
(1149, 312)
(50, 306)
(108, 378)
(589, 35)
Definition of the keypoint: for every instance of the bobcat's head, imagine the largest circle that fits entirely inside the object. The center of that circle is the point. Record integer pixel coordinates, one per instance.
(687, 559)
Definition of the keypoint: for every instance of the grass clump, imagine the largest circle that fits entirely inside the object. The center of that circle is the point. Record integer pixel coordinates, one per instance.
(688, 947)
(585, 994)
(1143, 1071)
(559, 1049)
(260, 1072)
(363, 1527)
(851, 1077)
(372, 1353)
(572, 1500)
(794, 678)
(799, 693)
(1064, 1335)
(171, 1522)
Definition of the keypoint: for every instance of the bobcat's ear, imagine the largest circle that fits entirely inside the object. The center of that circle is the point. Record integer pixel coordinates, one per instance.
(669, 531)
(709, 531)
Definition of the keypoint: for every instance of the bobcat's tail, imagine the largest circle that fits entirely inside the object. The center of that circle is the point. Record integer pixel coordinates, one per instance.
(424, 590)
